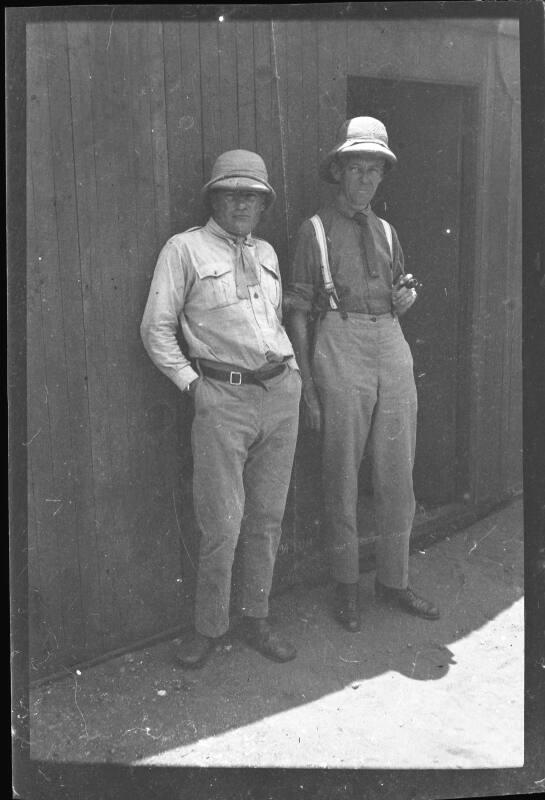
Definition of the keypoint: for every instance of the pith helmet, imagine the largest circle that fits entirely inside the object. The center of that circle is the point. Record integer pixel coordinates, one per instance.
(240, 169)
(365, 135)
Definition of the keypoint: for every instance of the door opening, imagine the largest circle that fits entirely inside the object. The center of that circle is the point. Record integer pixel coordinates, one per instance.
(429, 198)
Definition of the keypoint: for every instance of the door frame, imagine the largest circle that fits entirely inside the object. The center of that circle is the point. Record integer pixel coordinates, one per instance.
(466, 282)
(466, 261)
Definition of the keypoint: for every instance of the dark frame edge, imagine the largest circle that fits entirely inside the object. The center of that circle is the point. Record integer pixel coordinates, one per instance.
(16, 390)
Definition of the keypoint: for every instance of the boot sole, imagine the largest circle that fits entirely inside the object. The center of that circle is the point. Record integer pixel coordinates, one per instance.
(414, 612)
(268, 655)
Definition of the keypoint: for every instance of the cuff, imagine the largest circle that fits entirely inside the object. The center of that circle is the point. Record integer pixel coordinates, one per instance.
(184, 377)
(292, 364)
(298, 298)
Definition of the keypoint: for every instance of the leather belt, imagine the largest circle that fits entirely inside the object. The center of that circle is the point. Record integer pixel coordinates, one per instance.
(363, 314)
(238, 377)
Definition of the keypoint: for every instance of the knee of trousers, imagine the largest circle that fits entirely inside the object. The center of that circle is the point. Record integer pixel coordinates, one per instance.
(264, 511)
(217, 553)
(341, 517)
(392, 477)
(218, 508)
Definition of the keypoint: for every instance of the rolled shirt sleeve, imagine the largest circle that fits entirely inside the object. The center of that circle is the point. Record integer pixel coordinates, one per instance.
(305, 271)
(161, 317)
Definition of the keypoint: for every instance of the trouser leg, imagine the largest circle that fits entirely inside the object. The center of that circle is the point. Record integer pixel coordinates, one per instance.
(266, 481)
(346, 421)
(345, 375)
(393, 438)
(223, 429)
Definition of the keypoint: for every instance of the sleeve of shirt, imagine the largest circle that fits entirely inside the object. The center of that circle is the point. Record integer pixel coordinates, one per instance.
(161, 317)
(398, 257)
(304, 274)
(280, 307)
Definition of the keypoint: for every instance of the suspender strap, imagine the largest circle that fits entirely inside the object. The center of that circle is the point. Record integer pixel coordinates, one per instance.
(326, 271)
(388, 231)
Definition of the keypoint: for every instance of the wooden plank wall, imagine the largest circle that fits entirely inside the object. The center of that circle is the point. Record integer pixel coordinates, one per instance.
(105, 565)
(496, 391)
(124, 121)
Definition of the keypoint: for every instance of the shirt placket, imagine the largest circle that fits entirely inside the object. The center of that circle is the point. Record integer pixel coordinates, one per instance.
(370, 272)
(255, 302)
(261, 313)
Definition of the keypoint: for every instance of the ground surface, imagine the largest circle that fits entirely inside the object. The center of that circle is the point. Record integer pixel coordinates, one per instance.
(403, 693)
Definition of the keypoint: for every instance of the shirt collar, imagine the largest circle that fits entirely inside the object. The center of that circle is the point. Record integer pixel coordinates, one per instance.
(215, 229)
(344, 208)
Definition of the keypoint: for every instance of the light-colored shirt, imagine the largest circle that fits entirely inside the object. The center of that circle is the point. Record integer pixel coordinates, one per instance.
(360, 286)
(194, 286)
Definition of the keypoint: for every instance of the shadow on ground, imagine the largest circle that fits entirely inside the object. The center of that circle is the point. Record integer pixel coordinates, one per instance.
(141, 704)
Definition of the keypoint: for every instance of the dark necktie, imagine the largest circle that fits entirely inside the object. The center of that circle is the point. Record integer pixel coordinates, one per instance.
(368, 243)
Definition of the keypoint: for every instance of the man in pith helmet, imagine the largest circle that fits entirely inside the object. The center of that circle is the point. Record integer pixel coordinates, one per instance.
(357, 368)
(222, 285)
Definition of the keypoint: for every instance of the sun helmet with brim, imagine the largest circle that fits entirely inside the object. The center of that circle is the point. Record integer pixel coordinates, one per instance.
(240, 170)
(359, 136)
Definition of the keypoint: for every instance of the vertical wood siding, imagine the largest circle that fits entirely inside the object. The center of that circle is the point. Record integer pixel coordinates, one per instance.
(124, 121)
(496, 387)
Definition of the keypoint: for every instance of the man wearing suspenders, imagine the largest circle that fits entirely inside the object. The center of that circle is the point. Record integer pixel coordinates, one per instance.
(357, 369)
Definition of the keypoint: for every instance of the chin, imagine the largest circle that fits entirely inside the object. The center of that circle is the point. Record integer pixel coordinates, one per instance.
(243, 230)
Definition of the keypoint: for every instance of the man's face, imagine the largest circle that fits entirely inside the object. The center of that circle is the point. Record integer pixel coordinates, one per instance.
(359, 177)
(237, 212)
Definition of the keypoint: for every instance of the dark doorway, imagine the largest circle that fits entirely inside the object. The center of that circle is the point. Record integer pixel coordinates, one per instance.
(428, 197)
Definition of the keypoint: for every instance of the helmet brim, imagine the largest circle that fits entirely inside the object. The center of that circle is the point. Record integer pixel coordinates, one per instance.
(355, 147)
(241, 183)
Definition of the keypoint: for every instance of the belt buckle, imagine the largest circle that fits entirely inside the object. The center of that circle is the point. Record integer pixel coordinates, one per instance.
(235, 374)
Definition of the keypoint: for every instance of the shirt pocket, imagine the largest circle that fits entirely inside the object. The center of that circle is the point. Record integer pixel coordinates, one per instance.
(270, 283)
(216, 286)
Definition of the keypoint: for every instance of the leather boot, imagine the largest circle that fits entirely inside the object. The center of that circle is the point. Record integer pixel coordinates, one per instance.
(194, 653)
(258, 634)
(407, 600)
(347, 606)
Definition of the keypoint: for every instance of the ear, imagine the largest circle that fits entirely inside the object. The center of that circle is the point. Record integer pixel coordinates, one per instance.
(335, 170)
(212, 200)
